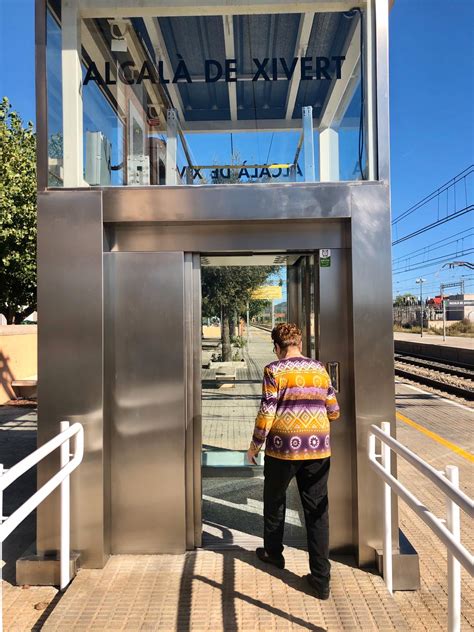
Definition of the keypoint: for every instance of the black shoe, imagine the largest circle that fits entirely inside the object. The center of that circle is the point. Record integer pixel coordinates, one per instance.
(276, 560)
(320, 589)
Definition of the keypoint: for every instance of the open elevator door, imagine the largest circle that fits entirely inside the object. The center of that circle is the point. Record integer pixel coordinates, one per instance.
(232, 505)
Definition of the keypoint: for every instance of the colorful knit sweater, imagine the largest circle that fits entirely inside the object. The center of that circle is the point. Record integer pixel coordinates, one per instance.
(298, 402)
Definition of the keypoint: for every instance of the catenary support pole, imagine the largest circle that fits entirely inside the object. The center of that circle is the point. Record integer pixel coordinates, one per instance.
(453, 523)
(444, 318)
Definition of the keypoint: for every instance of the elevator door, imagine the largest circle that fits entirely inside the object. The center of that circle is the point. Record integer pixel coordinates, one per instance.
(317, 300)
(232, 488)
(145, 377)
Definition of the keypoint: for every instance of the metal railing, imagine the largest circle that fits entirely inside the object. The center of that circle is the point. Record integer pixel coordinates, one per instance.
(448, 530)
(60, 479)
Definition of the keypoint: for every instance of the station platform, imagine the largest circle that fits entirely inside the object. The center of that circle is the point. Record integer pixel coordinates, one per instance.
(230, 589)
(456, 349)
(457, 342)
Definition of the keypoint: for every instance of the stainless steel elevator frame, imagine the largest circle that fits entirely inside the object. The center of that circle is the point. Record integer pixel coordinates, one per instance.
(81, 235)
(80, 231)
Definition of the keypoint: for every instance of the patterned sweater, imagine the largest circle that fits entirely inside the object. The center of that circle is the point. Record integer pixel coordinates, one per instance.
(298, 402)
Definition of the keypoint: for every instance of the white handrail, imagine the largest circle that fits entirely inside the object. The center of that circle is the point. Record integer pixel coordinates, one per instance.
(61, 478)
(449, 534)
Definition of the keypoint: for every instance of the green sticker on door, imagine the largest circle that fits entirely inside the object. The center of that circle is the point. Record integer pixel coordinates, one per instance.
(325, 258)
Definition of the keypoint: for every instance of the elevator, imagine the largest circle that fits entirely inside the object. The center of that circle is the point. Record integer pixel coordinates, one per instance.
(125, 284)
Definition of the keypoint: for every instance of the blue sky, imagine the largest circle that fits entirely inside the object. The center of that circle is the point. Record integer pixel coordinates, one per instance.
(432, 122)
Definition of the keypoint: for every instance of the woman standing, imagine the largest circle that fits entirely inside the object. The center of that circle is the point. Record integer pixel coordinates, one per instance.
(298, 403)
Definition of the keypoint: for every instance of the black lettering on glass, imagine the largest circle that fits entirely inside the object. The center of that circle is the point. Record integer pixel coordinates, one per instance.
(260, 69)
(338, 59)
(146, 72)
(109, 80)
(322, 63)
(182, 73)
(243, 172)
(275, 68)
(230, 70)
(92, 74)
(123, 74)
(306, 68)
(161, 75)
(289, 71)
(210, 66)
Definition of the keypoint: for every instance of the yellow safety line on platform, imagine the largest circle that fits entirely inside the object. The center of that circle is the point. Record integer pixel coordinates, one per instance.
(437, 438)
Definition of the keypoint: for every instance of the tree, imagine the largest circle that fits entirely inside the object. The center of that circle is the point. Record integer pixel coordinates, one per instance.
(225, 292)
(404, 299)
(17, 216)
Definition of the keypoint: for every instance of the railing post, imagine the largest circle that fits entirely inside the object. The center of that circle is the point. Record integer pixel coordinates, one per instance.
(453, 523)
(65, 533)
(387, 514)
(1, 553)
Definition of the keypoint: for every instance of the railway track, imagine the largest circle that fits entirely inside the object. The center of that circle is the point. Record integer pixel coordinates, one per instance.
(451, 368)
(448, 377)
(264, 327)
(443, 376)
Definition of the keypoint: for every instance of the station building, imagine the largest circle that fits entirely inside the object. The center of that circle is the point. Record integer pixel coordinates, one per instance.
(178, 134)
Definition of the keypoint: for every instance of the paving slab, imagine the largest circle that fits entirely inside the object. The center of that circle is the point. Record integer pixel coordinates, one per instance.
(221, 591)
(230, 589)
(449, 422)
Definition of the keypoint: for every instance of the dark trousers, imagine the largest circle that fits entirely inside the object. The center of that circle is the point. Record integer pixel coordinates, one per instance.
(312, 478)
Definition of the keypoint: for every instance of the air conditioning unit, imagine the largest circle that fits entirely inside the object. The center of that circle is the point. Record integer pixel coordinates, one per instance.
(98, 159)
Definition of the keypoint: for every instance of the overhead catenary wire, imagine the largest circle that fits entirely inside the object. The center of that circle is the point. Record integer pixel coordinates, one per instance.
(462, 175)
(432, 262)
(441, 242)
(435, 224)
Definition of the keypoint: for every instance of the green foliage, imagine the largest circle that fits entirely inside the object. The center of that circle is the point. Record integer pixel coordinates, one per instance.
(463, 327)
(17, 216)
(230, 287)
(233, 177)
(238, 342)
(258, 306)
(225, 292)
(405, 299)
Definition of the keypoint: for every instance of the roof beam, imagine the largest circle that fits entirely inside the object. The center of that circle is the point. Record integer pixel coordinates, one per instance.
(343, 89)
(153, 8)
(228, 24)
(270, 125)
(302, 40)
(161, 52)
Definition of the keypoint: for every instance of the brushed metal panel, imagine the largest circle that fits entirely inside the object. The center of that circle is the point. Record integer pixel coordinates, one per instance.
(242, 236)
(335, 344)
(192, 310)
(240, 202)
(192, 292)
(70, 362)
(145, 358)
(374, 397)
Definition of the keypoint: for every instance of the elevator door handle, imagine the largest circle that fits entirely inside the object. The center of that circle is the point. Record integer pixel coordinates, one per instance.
(334, 373)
